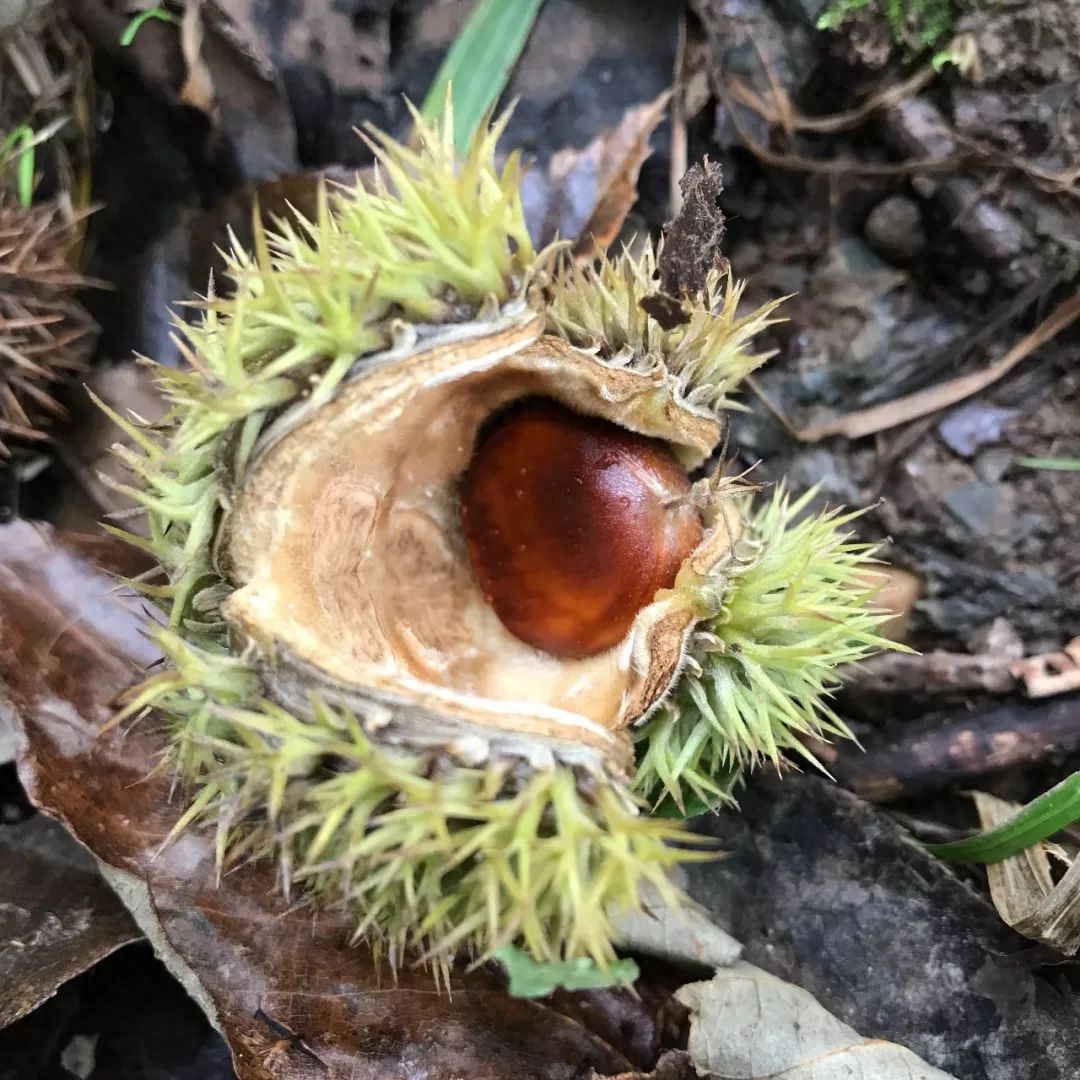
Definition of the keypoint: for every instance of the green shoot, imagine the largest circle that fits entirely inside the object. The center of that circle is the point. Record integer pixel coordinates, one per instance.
(140, 20)
(916, 23)
(1058, 464)
(20, 145)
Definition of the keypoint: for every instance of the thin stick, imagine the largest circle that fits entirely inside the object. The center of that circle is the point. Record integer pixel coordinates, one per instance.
(902, 410)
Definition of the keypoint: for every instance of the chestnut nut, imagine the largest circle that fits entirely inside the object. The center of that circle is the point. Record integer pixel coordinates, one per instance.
(573, 524)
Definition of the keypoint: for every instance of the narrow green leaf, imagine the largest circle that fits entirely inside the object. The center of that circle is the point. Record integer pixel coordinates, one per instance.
(1061, 464)
(1049, 813)
(529, 979)
(479, 63)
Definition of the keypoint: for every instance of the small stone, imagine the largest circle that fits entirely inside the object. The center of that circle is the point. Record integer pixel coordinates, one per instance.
(991, 465)
(894, 228)
(974, 425)
(78, 1058)
(982, 508)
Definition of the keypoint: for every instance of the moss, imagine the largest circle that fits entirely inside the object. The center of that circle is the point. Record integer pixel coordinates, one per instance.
(916, 24)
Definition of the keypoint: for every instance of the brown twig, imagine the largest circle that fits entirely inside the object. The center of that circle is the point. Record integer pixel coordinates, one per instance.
(865, 422)
(954, 753)
(780, 112)
(833, 166)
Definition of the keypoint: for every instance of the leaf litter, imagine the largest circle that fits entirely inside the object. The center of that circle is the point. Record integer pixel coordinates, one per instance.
(234, 944)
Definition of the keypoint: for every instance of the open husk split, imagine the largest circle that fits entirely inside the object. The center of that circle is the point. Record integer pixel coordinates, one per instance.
(341, 694)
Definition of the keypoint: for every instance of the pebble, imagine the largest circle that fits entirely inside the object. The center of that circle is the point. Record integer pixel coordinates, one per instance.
(894, 228)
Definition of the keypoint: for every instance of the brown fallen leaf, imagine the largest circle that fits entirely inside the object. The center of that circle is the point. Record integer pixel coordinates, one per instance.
(58, 918)
(257, 967)
(586, 195)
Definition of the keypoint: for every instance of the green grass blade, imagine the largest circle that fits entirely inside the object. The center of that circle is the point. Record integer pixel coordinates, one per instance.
(1061, 464)
(1041, 818)
(479, 63)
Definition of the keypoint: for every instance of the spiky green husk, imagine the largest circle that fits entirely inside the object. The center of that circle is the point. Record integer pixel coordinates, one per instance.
(431, 854)
(434, 857)
(438, 239)
(707, 356)
(760, 671)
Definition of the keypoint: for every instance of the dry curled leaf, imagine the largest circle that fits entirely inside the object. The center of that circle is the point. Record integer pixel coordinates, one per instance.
(586, 194)
(749, 1025)
(693, 238)
(258, 967)
(691, 247)
(1023, 889)
(58, 918)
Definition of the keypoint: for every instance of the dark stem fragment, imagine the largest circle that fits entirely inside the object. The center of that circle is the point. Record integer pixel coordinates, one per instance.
(923, 759)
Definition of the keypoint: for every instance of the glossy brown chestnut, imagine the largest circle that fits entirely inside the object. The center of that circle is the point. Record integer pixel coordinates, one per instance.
(573, 524)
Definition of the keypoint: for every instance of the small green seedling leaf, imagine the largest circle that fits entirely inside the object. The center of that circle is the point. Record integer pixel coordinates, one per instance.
(479, 63)
(1049, 813)
(136, 24)
(529, 979)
